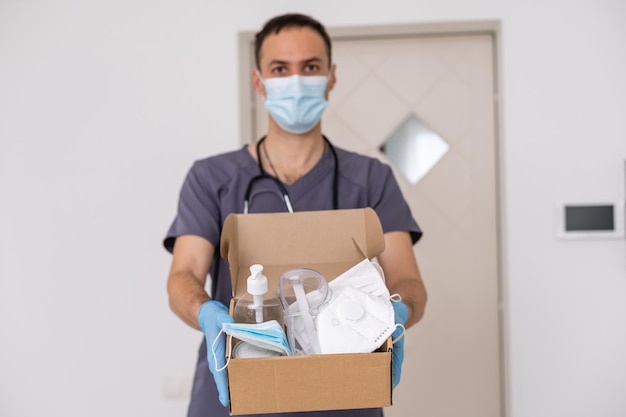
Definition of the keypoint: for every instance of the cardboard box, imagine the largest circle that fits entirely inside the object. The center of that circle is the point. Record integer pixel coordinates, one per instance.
(330, 242)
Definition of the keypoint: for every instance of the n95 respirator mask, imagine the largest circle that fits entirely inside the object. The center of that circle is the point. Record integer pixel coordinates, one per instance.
(366, 276)
(355, 322)
(359, 316)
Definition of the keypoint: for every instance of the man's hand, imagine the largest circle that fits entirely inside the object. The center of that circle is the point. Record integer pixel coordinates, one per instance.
(211, 316)
(401, 314)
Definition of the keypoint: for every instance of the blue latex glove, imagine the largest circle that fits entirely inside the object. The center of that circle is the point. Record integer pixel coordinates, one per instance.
(401, 315)
(211, 316)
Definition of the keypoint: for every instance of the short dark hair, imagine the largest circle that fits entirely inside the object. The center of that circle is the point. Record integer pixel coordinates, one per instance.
(278, 23)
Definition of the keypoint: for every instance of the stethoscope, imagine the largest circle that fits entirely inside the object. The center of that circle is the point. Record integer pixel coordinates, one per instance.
(285, 195)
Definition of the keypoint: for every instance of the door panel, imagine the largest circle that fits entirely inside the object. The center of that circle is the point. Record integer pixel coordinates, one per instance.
(452, 361)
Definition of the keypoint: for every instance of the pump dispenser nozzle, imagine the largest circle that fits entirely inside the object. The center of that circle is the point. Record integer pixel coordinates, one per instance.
(258, 304)
(257, 287)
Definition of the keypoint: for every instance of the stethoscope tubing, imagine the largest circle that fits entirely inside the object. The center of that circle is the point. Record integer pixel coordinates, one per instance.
(281, 186)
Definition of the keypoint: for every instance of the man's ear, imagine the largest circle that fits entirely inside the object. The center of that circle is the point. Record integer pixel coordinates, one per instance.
(257, 82)
(332, 79)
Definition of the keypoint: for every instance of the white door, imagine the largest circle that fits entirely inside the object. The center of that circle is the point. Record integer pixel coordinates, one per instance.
(447, 82)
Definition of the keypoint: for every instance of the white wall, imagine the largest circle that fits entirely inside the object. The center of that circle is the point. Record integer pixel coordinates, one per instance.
(104, 105)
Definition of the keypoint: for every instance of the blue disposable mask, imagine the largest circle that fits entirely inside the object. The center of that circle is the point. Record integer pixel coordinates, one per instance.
(266, 335)
(297, 102)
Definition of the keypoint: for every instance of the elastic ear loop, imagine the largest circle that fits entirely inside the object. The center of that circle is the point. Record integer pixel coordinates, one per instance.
(401, 334)
(380, 271)
(394, 299)
(229, 345)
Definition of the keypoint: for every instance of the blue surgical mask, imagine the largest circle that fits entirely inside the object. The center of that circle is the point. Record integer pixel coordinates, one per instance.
(266, 335)
(297, 102)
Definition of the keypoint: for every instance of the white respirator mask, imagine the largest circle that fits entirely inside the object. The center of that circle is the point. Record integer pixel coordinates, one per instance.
(355, 322)
(366, 276)
(359, 317)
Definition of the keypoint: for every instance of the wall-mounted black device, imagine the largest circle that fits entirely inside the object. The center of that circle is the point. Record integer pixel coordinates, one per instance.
(590, 220)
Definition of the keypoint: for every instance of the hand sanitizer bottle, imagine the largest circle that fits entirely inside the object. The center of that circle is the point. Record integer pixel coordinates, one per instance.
(258, 304)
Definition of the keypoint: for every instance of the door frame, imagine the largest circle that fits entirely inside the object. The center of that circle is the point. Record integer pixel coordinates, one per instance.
(492, 28)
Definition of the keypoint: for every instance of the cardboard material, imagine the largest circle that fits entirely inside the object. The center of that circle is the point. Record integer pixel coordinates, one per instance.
(330, 242)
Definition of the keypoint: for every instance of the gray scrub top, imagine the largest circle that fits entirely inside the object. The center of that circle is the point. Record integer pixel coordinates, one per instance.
(215, 187)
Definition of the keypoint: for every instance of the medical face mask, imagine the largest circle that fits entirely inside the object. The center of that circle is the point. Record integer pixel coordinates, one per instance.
(297, 102)
(355, 322)
(365, 276)
(267, 335)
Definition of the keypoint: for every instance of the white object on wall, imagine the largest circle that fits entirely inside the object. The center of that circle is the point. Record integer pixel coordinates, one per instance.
(590, 220)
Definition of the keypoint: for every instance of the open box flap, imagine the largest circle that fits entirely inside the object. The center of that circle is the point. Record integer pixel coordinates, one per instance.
(329, 241)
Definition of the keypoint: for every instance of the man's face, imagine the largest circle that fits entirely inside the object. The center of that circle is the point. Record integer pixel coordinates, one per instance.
(294, 50)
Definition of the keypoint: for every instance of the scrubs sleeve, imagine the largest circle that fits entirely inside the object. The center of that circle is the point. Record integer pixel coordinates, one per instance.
(198, 211)
(389, 203)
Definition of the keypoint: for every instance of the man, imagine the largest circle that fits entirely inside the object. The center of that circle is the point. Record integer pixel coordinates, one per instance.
(295, 74)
